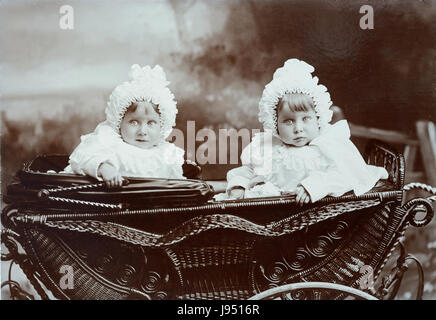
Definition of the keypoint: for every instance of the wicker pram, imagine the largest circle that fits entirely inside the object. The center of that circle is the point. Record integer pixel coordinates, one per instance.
(130, 245)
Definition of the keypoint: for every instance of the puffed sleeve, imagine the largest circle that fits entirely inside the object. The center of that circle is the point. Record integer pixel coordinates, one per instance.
(239, 177)
(173, 158)
(331, 182)
(256, 161)
(94, 149)
(347, 170)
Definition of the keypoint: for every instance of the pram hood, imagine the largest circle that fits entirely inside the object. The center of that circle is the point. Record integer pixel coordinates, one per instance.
(40, 182)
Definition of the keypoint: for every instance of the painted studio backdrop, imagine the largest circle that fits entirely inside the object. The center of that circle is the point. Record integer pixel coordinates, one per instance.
(218, 56)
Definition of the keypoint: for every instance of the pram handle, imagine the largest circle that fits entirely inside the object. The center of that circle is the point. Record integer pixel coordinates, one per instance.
(45, 193)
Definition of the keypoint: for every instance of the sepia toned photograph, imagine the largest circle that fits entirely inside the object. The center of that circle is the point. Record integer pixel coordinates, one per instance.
(218, 150)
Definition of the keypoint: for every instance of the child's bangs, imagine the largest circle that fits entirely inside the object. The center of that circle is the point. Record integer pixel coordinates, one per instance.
(296, 102)
(132, 108)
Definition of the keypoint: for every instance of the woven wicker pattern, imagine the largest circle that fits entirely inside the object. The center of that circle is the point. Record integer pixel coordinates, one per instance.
(358, 251)
(201, 224)
(333, 251)
(51, 256)
(189, 259)
(213, 267)
(221, 250)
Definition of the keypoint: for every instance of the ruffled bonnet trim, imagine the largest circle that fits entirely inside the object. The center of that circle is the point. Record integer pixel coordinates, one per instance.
(294, 77)
(146, 84)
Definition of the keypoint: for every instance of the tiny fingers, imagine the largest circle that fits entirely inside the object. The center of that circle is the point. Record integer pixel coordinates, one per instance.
(298, 196)
(302, 196)
(118, 181)
(108, 183)
(113, 182)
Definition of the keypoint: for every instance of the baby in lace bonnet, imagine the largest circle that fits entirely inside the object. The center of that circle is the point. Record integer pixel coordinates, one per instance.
(299, 151)
(140, 115)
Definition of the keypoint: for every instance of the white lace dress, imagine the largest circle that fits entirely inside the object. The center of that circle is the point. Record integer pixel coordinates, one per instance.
(105, 145)
(329, 165)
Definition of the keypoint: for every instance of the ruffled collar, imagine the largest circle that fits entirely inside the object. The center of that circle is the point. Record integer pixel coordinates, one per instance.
(339, 131)
(114, 140)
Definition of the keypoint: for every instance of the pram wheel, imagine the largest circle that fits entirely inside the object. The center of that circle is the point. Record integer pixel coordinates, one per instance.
(310, 291)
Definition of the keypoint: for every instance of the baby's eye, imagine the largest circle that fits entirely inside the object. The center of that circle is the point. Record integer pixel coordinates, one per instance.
(133, 122)
(307, 118)
(151, 122)
(289, 121)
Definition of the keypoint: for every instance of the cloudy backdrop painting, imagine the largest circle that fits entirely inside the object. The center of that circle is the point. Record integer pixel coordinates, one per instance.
(218, 56)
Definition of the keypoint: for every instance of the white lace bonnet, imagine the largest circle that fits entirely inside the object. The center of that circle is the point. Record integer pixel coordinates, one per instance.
(294, 77)
(146, 84)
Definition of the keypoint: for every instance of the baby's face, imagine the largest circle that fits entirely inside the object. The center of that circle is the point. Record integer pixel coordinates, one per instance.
(141, 127)
(297, 128)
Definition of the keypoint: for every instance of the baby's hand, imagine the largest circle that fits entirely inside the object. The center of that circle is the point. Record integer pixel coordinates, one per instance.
(110, 175)
(237, 193)
(302, 195)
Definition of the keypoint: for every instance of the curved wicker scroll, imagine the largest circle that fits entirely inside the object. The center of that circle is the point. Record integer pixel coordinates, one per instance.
(218, 250)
